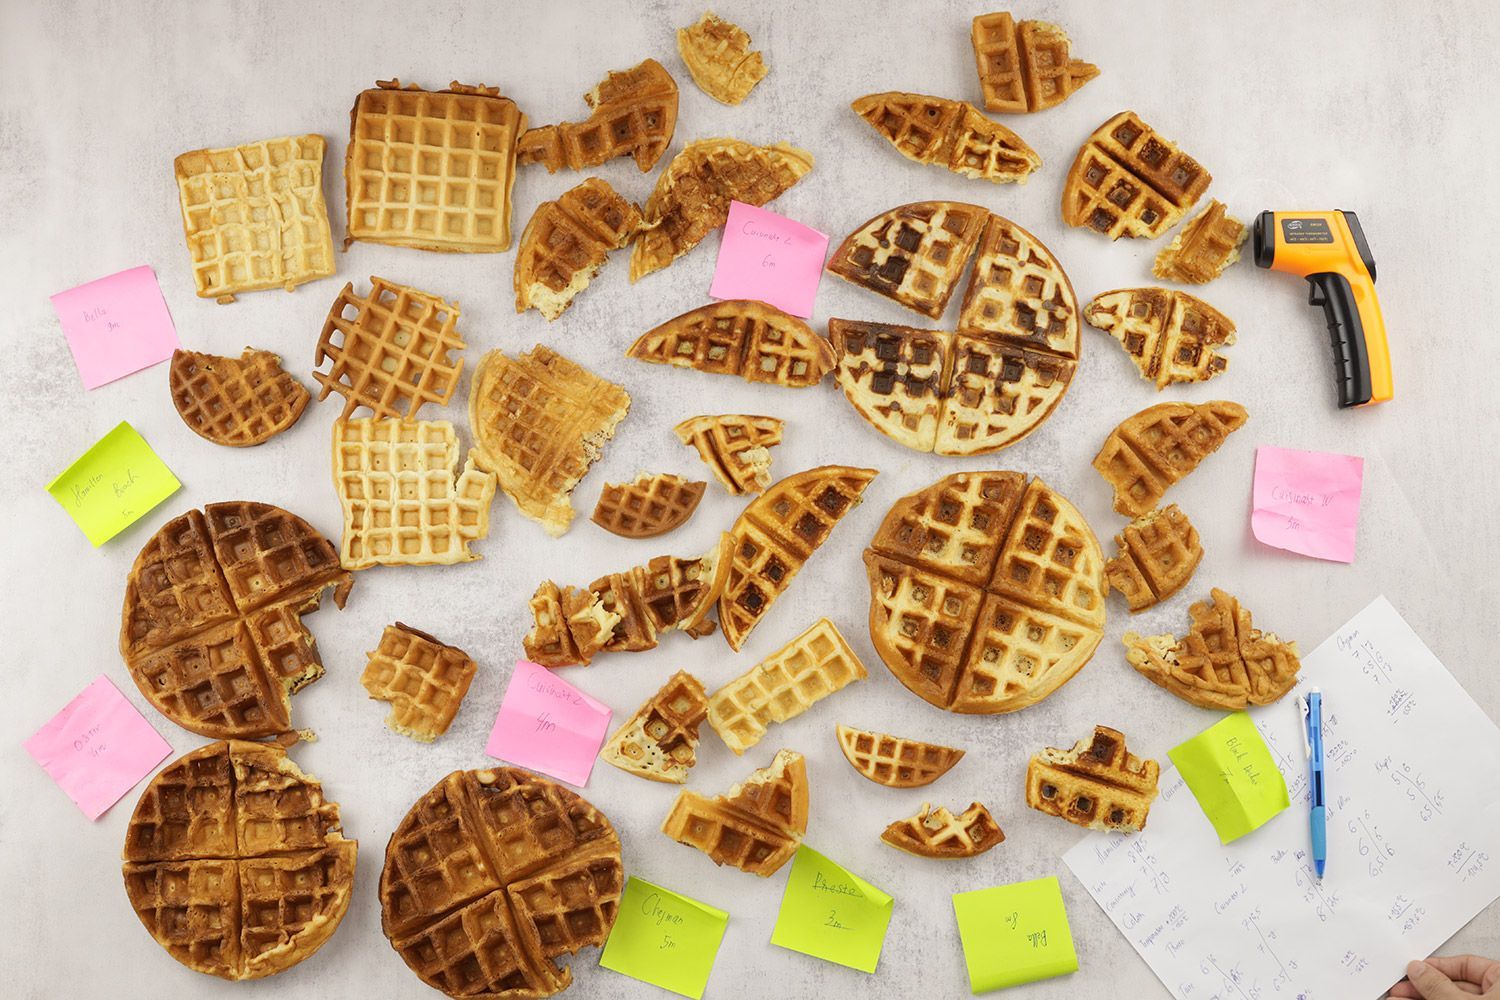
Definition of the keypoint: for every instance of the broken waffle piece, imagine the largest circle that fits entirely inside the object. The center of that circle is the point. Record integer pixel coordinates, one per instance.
(1203, 248)
(660, 742)
(735, 447)
(1153, 449)
(1025, 66)
(635, 115)
(937, 833)
(743, 337)
(567, 241)
(1096, 784)
(237, 402)
(951, 134)
(894, 761)
(1156, 555)
(756, 826)
(718, 57)
(424, 679)
(650, 505)
(1129, 180)
(1170, 335)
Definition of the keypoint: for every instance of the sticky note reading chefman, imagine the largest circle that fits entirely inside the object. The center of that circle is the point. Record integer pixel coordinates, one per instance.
(116, 325)
(1014, 934)
(113, 484)
(1307, 501)
(663, 938)
(1231, 773)
(548, 725)
(830, 913)
(769, 257)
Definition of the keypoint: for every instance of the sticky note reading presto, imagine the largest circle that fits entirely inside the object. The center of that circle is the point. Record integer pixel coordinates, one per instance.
(769, 257)
(116, 325)
(1307, 501)
(548, 725)
(830, 913)
(113, 484)
(1231, 773)
(663, 938)
(1014, 934)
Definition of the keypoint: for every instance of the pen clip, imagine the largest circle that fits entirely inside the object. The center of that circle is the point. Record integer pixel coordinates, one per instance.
(1306, 725)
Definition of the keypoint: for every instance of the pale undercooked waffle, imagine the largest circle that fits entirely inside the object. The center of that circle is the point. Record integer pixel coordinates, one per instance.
(425, 681)
(692, 195)
(403, 500)
(784, 685)
(254, 215)
(895, 761)
(735, 447)
(778, 532)
(494, 875)
(1025, 66)
(937, 833)
(391, 350)
(986, 591)
(1203, 248)
(756, 826)
(211, 629)
(1156, 447)
(951, 134)
(743, 337)
(1096, 784)
(1170, 335)
(1128, 180)
(1223, 662)
(567, 241)
(651, 505)
(660, 741)
(1155, 556)
(718, 57)
(237, 402)
(432, 170)
(235, 862)
(634, 114)
(912, 253)
(539, 421)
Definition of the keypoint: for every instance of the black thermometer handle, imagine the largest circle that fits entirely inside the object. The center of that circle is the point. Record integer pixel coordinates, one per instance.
(1351, 358)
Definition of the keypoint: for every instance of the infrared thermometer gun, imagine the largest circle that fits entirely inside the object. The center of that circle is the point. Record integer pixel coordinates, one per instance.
(1329, 250)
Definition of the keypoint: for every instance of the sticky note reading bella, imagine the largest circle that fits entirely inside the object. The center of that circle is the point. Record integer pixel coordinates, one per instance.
(1233, 776)
(113, 484)
(548, 725)
(1014, 934)
(769, 257)
(116, 325)
(1307, 501)
(663, 938)
(830, 913)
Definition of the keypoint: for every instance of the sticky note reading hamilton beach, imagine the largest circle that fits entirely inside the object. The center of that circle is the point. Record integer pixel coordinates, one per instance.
(664, 938)
(769, 257)
(113, 484)
(547, 724)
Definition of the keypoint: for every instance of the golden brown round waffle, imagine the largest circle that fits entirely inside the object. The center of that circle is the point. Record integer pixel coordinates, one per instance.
(237, 402)
(492, 876)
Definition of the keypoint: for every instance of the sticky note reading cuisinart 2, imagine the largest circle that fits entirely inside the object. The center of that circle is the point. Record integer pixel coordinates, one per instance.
(828, 912)
(663, 938)
(1014, 934)
(548, 725)
(769, 257)
(113, 484)
(1307, 501)
(1233, 776)
(116, 325)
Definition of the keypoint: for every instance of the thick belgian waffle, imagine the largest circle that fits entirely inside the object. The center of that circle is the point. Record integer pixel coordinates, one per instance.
(717, 55)
(1027, 66)
(237, 402)
(913, 253)
(1170, 335)
(755, 826)
(755, 341)
(951, 134)
(1096, 784)
(1155, 556)
(1156, 447)
(634, 114)
(425, 681)
(660, 741)
(1128, 180)
(1203, 248)
(894, 761)
(650, 505)
(937, 833)
(567, 241)
(735, 447)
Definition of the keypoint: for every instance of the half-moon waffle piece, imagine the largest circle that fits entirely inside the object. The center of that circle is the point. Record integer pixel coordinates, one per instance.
(494, 875)
(1156, 447)
(1170, 335)
(778, 532)
(1203, 248)
(1097, 784)
(236, 402)
(693, 193)
(735, 447)
(986, 591)
(432, 170)
(1155, 556)
(937, 833)
(651, 505)
(894, 761)
(567, 241)
(912, 253)
(1223, 662)
(756, 826)
(424, 679)
(1025, 66)
(634, 114)
(1019, 294)
(717, 55)
(1128, 180)
(235, 862)
(660, 741)
(951, 134)
(743, 337)
(211, 630)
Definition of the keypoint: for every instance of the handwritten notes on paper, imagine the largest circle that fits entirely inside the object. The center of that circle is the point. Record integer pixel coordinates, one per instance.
(116, 325)
(1014, 934)
(769, 257)
(548, 725)
(830, 913)
(1230, 771)
(663, 938)
(1307, 501)
(113, 484)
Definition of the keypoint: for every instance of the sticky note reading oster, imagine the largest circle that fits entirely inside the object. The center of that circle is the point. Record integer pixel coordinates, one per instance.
(1307, 501)
(830, 913)
(664, 938)
(116, 325)
(113, 484)
(769, 257)
(548, 725)
(1233, 776)
(1014, 934)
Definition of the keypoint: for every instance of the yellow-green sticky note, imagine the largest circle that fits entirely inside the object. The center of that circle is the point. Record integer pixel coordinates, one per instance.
(1014, 934)
(113, 484)
(1231, 773)
(831, 913)
(664, 938)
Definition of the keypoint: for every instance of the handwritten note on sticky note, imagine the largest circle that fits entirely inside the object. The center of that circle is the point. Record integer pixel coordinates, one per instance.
(1307, 501)
(1014, 934)
(548, 725)
(97, 747)
(113, 484)
(769, 257)
(663, 938)
(1233, 776)
(830, 913)
(116, 325)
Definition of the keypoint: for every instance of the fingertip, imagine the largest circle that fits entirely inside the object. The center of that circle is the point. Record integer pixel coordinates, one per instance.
(1415, 969)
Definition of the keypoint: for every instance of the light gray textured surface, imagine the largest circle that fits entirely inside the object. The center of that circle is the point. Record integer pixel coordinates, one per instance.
(1375, 107)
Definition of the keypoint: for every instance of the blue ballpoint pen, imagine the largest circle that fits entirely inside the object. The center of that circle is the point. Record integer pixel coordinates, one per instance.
(1312, 717)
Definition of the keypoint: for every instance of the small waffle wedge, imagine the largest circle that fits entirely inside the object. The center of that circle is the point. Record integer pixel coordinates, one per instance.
(937, 833)
(693, 193)
(1097, 784)
(660, 741)
(1025, 66)
(951, 134)
(912, 253)
(1155, 557)
(425, 681)
(432, 170)
(717, 55)
(634, 114)
(1128, 180)
(778, 532)
(1203, 248)
(756, 826)
(567, 241)
(894, 761)
(1153, 449)
(237, 402)
(1170, 335)
(651, 505)
(1019, 293)
(755, 341)
(735, 447)
(1224, 662)
(550, 642)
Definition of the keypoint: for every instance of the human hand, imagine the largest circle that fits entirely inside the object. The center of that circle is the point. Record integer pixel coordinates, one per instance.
(1449, 977)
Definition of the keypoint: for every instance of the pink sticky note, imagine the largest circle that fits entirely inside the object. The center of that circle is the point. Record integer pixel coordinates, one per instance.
(1307, 501)
(769, 257)
(97, 747)
(548, 725)
(116, 325)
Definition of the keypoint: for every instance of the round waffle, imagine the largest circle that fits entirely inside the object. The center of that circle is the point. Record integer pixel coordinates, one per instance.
(238, 402)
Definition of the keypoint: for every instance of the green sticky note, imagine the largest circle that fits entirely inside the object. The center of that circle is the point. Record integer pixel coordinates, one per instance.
(112, 484)
(1232, 775)
(1014, 934)
(663, 938)
(831, 913)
